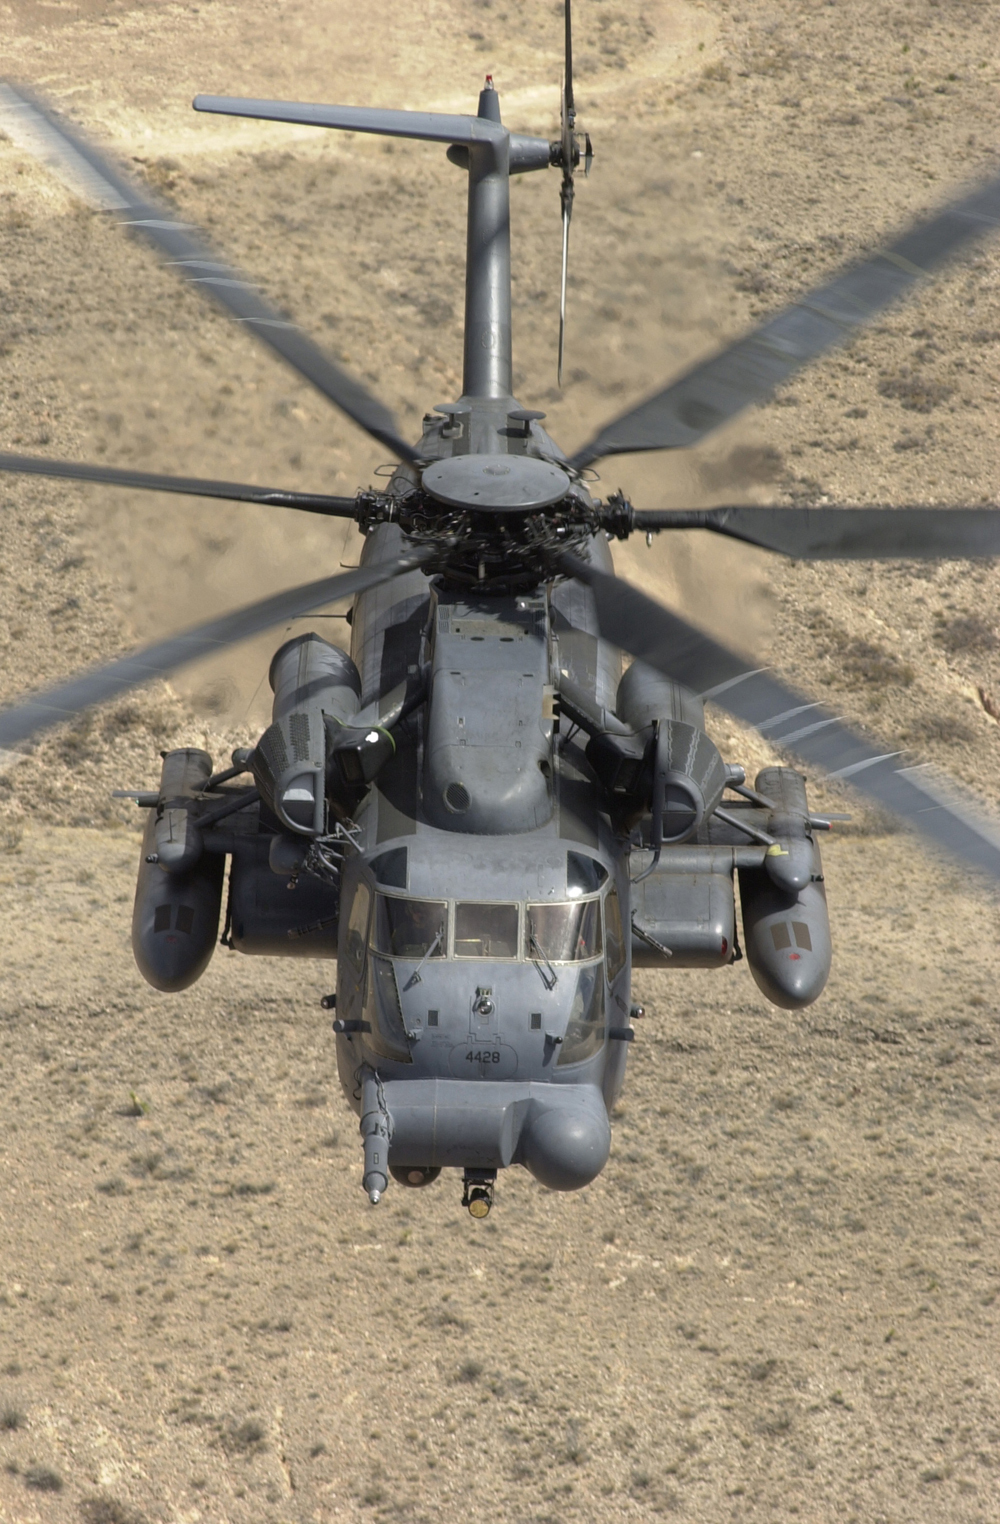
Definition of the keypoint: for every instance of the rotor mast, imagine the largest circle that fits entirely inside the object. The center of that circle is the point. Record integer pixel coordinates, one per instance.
(487, 364)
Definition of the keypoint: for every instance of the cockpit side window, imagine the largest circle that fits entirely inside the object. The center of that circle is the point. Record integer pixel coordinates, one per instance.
(585, 1028)
(406, 928)
(356, 938)
(614, 937)
(564, 933)
(382, 1012)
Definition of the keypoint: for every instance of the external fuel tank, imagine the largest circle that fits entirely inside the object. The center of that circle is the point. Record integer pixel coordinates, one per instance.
(175, 920)
(786, 928)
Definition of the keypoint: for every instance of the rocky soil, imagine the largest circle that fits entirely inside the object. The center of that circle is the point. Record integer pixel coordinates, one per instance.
(779, 1299)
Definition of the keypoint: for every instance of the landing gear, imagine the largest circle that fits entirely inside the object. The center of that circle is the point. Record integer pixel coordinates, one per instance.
(477, 1192)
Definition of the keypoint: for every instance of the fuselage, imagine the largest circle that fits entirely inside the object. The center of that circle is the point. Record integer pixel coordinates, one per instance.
(483, 960)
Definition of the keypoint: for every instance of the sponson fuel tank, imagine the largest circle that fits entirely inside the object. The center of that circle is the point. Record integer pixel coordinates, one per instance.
(786, 928)
(178, 893)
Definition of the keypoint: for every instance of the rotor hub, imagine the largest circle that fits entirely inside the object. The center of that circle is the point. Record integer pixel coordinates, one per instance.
(497, 483)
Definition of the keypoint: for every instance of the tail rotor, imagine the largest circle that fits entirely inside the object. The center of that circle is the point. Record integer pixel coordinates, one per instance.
(568, 155)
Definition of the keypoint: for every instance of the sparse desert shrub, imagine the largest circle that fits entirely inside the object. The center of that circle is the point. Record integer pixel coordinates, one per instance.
(869, 663)
(146, 1163)
(941, 727)
(11, 834)
(107, 1510)
(967, 633)
(11, 1417)
(915, 392)
(43, 1479)
(113, 1187)
(246, 1438)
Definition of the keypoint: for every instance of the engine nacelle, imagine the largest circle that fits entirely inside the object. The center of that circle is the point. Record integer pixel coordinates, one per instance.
(667, 761)
(645, 695)
(311, 680)
(786, 927)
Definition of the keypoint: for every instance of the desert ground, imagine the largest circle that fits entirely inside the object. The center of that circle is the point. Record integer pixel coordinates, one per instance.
(779, 1300)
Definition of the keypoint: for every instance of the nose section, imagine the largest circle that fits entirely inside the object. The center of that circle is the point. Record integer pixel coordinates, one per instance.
(560, 1133)
(565, 1146)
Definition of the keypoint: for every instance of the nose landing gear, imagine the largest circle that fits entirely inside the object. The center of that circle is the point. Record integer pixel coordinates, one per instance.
(477, 1191)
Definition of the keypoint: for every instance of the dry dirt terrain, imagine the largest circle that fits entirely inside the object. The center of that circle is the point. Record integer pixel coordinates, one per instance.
(779, 1301)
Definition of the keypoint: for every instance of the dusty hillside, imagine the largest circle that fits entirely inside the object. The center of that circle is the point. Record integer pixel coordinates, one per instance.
(780, 1297)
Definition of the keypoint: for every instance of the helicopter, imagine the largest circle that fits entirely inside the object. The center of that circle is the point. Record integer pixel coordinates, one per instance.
(481, 813)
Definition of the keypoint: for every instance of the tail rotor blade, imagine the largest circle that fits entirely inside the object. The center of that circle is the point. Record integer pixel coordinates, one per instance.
(570, 157)
(67, 700)
(568, 87)
(567, 213)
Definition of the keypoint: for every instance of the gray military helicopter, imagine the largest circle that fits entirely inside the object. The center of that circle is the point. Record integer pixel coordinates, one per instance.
(477, 813)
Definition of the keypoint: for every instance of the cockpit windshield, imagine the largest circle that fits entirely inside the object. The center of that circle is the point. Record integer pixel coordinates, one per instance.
(573, 931)
(564, 933)
(406, 928)
(485, 930)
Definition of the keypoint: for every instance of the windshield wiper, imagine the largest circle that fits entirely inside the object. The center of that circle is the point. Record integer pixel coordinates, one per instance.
(415, 976)
(546, 972)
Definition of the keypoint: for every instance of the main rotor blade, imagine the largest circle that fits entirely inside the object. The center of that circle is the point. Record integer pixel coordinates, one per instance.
(844, 534)
(749, 370)
(647, 630)
(90, 175)
(66, 700)
(192, 486)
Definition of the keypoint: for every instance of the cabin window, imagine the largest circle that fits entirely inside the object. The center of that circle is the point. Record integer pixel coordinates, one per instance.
(410, 928)
(564, 933)
(486, 931)
(585, 1028)
(614, 937)
(356, 938)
